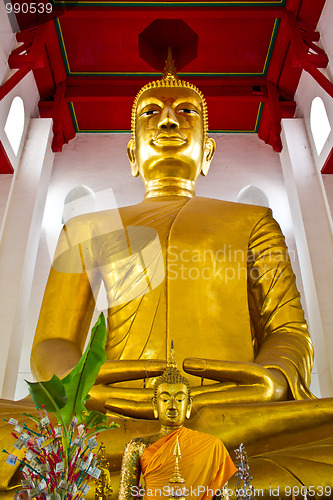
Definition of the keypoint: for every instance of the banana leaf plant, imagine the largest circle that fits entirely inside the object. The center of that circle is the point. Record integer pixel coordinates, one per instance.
(66, 398)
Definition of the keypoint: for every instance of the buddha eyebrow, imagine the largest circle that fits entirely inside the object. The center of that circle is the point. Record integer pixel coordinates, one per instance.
(186, 102)
(147, 102)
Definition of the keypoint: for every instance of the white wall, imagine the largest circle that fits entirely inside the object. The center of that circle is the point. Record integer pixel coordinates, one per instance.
(27, 90)
(100, 162)
(316, 189)
(7, 42)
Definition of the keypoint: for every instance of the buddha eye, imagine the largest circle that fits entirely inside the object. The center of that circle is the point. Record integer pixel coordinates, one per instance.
(149, 112)
(188, 111)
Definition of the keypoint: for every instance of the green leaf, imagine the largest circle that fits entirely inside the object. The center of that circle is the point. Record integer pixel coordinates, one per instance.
(93, 418)
(81, 379)
(32, 417)
(112, 425)
(101, 428)
(50, 394)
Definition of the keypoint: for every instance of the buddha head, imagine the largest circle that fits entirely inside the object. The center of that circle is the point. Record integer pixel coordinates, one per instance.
(172, 402)
(169, 125)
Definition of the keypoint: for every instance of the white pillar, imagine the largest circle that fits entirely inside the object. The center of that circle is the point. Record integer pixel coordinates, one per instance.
(314, 241)
(19, 246)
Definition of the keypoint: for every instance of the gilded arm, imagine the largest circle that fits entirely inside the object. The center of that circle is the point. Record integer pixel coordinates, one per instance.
(68, 304)
(281, 337)
(130, 469)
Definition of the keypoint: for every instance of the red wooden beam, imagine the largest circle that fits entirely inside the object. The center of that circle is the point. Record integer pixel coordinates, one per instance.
(14, 80)
(319, 77)
(54, 54)
(275, 128)
(305, 60)
(225, 12)
(134, 80)
(328, 165)
(98, 88)
(58, 117)
(5, 163)
(94, 93)
(32, 49)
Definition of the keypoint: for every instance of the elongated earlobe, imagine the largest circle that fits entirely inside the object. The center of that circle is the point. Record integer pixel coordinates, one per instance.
(208, 155)
(131, 157)
(154, 407)
(189, 408)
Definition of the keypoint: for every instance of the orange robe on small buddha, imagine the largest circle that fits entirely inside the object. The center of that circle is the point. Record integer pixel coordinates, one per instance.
(205, 464)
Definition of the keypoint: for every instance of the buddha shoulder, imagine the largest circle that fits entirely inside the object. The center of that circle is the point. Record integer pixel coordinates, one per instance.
(94, 223)
(235, 209)
(136, 446)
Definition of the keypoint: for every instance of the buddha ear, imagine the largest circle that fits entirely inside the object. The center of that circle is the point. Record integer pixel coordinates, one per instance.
(209, 151)
(154, 407)
(131, 157)
(189, 408)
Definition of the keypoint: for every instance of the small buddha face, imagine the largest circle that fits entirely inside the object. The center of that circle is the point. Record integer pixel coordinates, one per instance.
(169, 135)
(172, 404)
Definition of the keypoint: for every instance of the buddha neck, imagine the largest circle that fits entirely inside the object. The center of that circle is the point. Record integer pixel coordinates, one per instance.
(169, 186)
(166, 429)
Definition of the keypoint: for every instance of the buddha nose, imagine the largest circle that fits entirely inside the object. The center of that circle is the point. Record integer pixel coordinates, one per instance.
(168, 118)
(172, 404)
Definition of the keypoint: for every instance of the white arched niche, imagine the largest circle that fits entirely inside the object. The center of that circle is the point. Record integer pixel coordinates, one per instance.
(252, 195)
(14, 125)
(319, 123)
(79, 200)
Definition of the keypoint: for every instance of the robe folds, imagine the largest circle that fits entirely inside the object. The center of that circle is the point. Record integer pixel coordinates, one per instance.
(205, 464)
(213, 276)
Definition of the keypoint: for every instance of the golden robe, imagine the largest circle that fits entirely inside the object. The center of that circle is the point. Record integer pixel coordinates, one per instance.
(213, 276)
(205, 464)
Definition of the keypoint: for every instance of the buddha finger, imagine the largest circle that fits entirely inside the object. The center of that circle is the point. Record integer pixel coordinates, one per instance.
(99, 394)
(128, 408)
(241, 395)
(124, 370)
(217, 387)
(229, 371)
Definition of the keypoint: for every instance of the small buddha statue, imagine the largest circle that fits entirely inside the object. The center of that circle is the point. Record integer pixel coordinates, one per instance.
(205, 464)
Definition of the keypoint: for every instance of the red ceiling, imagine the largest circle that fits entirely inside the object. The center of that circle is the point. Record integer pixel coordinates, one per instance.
(89, 60)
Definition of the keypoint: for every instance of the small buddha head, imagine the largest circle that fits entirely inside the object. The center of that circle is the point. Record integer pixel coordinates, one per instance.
(169, 125)
(172, 402)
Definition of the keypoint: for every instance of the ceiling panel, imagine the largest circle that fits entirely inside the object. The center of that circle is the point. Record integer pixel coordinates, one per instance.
(90, 59)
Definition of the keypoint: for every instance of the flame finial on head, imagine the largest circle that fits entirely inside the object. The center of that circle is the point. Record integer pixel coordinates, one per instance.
(171, 362)
(170, 72)
(171, 374)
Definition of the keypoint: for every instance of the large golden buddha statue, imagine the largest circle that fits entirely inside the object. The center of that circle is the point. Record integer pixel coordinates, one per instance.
(214, 276)
(228, 297)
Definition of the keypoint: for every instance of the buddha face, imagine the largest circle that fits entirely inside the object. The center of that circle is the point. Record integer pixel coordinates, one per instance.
(169, 136)
(172, 404)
